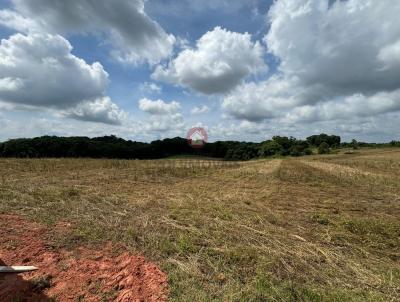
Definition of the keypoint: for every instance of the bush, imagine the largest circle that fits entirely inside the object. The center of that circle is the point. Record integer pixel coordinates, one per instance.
(323, 148)
(308, 151)
(270, 148)
(244, 151)
(296, 151)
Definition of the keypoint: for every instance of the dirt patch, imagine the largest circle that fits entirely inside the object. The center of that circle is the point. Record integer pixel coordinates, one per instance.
(80, 275)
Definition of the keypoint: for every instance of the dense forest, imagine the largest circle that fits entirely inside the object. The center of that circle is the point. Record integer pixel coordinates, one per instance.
(114, 147)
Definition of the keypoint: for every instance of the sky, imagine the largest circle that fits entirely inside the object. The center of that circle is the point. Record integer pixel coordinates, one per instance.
(242, 69)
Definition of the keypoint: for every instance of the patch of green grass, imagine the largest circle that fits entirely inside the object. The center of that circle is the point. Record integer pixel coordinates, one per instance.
(373, 227)
(320, 219)
(185, 244)
(264, 289)
(380, 233)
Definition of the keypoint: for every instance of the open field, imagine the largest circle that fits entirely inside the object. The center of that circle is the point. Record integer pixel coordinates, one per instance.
(318, 228)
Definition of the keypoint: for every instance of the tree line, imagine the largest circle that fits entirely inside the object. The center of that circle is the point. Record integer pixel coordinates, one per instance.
(114, 147)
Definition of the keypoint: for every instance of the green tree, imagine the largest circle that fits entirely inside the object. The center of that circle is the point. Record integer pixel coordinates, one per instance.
(308, 151)
(270, 148)
(323, 148)
(297, 150)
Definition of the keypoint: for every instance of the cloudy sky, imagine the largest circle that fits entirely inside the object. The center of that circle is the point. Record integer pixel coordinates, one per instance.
(243, 69)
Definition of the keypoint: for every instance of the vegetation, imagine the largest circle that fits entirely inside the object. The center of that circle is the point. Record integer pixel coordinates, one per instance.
(320, 228)
(324, 148)
(113, 147)
(332, 140)
(118, 148)
(270, 148)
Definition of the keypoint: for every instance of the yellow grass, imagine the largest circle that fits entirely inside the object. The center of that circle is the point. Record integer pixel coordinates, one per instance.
(322, 228)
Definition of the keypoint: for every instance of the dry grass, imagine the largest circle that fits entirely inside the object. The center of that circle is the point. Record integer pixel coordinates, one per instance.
(323, 228)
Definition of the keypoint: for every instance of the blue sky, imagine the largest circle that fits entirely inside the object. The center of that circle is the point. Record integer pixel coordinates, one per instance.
(244, 70)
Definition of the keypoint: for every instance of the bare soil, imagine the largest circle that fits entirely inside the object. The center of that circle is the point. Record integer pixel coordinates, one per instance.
(83, 274)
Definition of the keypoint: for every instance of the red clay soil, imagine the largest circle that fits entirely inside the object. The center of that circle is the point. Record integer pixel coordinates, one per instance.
(80, 275)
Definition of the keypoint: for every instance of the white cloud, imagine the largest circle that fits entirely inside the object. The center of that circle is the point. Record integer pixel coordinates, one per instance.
(38, 71)
(159, 107)
(38, 125)
(220, 61)
(250, 127)
(133, 35)
(14, 20)
(390, 55)
(335, 60)
(164, 117)
(340, 46)
(257, 101)
(339, 69)
(200, 110)
(357, 105)
(170, 124)
(10, 84)
(150, 88)
(102, 110)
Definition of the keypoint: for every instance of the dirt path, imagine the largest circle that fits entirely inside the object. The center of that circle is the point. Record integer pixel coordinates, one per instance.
(80, 275)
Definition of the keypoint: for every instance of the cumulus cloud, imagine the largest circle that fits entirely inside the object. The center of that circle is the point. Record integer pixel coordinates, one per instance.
(132, 34)
(220, 61)
(257, 101)
(357, 105)
(159, 107)
(102, 110)
(164, 117)
(172, 124)
(200, 110)
(14, 20)
(341, 59)
(150, 88)
(343, 47)
(39, 71)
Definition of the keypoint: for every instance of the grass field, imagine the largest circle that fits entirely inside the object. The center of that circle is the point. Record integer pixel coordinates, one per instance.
(318, 228)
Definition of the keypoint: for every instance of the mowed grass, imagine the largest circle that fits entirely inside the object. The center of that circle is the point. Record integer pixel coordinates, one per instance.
(319, 228)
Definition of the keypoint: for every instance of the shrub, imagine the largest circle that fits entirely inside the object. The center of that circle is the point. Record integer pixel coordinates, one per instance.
(296, 151)
(323, 148)
(308, 151)
(270, 148)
